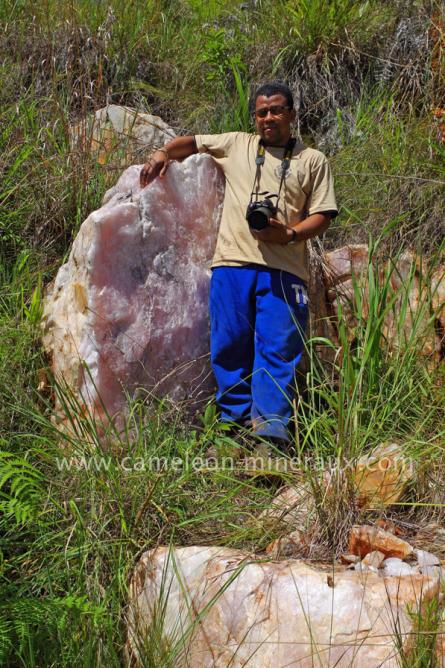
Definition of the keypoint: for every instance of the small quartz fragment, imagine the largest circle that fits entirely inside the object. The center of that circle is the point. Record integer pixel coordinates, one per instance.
(394, 567)
(374, 558)
(361, 567)
(349, 559)
(425, 558)
(364, 539)
(431, 571)
(286, 546)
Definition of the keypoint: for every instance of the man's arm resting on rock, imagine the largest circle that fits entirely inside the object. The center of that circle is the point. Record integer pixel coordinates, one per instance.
(310, 227)
(157, 164)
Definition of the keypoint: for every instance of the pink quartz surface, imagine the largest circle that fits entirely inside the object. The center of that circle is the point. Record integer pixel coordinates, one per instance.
(142, 261)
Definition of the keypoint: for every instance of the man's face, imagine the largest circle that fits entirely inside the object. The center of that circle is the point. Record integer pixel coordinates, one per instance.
(273, 119)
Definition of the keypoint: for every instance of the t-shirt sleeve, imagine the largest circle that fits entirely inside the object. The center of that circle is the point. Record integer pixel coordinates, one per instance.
(322, 196)
(218, 146)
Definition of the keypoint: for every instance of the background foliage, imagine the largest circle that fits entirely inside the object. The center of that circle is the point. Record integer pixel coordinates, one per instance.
(366, 76)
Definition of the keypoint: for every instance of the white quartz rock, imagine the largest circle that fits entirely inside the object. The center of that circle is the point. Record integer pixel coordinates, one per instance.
(361, 567)
(219, 607)
(394, 567)
(129, 308)
(432, 571)
(119, 133)
(425, 558)
(374, 559)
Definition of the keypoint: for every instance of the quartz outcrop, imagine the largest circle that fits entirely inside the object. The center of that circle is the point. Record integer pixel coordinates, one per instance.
(415, 297)
(221, 607)
(119, 134)
(129, 308)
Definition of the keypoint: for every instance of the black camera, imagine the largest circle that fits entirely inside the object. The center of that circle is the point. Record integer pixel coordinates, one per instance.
(258, 213)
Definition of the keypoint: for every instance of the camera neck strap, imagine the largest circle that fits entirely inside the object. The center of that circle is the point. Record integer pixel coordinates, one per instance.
(259, 161)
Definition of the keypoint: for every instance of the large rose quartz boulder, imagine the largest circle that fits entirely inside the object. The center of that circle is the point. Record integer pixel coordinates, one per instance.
(218, 607)
(129, 308)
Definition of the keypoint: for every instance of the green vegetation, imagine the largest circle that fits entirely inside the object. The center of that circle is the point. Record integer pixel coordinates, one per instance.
(366, 75)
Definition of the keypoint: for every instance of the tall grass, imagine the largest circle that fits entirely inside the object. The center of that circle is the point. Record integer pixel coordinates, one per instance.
(78, 507)
(396, 166)
(381, 388)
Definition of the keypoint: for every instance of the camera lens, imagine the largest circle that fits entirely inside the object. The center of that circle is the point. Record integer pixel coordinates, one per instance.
(258, 219)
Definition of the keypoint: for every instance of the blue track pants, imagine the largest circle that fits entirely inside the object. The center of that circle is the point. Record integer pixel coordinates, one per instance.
(257, 319)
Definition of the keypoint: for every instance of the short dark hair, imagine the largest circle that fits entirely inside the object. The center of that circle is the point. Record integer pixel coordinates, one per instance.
(274, 88)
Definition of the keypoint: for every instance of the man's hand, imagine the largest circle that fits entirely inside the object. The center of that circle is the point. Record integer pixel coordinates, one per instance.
(276, 233)
(156, 165)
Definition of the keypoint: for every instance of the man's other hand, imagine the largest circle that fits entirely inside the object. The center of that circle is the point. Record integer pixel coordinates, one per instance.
(275, 233)
(310, 227)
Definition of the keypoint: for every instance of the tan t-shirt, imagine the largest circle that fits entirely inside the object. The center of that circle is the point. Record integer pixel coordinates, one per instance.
(307, 189)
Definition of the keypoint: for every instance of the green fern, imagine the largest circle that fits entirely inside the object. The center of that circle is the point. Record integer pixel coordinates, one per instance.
(27, 625)
(5, 639)
(21, 488)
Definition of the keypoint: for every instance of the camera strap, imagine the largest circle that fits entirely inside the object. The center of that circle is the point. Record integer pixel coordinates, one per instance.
(259, 161)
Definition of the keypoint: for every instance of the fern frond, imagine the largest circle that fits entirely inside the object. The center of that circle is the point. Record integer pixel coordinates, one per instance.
(21, 488)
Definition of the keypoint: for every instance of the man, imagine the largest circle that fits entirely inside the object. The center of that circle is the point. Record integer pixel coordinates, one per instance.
(258, 298)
